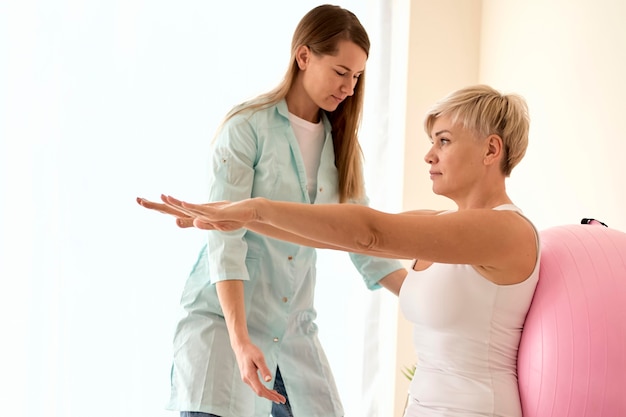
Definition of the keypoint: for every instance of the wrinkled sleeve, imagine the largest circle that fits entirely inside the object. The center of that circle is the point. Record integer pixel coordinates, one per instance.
(231, 176)
(372, 268)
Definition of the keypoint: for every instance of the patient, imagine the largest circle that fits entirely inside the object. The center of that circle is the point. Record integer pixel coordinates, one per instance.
(475, 268)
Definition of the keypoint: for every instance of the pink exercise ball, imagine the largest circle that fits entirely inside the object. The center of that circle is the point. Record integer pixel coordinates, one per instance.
(572, 354)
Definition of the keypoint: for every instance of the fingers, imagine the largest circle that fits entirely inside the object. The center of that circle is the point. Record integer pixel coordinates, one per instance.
(263, 369)
(183, 220)
(273, 395)
(193, 210)
(262, 391)
(163, 208)
(148, 204)
(252, 365)
(201, 216)
(203, 225)
(203, 213)
(170, 200)
(265, 373)
(185, 223)
(184, 217)
(177, 206)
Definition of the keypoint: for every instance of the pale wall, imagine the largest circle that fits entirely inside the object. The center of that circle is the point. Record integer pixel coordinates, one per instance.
(444, 41)
(568, 59)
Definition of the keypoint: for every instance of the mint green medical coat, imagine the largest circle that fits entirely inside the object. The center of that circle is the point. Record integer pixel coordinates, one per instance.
(258, 155)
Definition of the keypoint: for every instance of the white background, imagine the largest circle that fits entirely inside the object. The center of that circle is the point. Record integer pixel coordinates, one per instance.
(101, 102)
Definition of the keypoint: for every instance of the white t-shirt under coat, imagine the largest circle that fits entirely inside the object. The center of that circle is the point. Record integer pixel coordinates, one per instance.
(310, 138)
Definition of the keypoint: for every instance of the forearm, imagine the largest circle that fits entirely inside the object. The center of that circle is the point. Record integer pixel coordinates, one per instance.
(231, 296)
(269, 230)
(347, 227)
(250, 358)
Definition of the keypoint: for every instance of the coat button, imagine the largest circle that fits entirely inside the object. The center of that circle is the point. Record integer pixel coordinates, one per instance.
(290, 258)
(275, 339)
(284, 299)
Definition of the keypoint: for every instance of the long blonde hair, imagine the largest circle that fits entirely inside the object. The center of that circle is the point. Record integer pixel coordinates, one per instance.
(321, 29)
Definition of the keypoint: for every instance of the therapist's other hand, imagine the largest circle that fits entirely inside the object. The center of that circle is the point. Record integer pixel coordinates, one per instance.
(252, 363)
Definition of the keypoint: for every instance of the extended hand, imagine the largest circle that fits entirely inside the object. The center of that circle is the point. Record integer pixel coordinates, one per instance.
(182, 219)
(221, 215)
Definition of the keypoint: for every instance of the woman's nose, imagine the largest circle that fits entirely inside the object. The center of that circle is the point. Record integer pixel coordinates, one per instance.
(430, 156)
(347, 86)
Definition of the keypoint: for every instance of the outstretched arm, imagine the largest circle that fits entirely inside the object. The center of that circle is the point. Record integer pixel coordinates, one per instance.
(391, 282)
(184, 221)
(498, 239)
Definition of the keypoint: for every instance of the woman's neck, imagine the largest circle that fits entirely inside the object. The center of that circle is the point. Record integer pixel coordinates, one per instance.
(300, 104)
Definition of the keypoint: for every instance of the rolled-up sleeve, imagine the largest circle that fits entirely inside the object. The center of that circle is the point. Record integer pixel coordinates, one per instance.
(231, 177)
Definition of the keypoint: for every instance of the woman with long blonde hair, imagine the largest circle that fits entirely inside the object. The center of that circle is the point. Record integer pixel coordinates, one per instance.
(248, 345)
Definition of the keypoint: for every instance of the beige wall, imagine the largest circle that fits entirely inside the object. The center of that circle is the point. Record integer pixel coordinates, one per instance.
(444, 38)
(568, 59)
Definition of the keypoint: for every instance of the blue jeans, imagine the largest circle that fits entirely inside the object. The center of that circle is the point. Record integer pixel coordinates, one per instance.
(281, 410)
(278, 410)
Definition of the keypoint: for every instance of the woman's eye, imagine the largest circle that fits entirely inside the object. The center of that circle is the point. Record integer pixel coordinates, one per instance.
(340, 73)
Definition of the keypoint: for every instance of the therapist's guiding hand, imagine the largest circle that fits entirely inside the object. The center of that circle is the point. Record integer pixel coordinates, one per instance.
(252, 363)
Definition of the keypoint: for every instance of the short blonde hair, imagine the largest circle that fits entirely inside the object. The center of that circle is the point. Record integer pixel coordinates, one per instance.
(485, 111)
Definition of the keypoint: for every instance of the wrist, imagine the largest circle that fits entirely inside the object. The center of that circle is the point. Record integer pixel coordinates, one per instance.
(257, 207)
(237, 342)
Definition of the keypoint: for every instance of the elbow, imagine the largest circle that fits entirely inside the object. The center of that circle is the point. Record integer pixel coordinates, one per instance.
(368, 244)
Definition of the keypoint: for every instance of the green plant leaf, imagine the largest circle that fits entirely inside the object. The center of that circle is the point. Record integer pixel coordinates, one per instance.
(409, 371)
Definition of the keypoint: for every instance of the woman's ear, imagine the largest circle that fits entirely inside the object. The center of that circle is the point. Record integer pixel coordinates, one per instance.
(303, 55)
(495, 149)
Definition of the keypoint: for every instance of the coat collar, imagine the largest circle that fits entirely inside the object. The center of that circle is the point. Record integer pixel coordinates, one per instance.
(282, 109)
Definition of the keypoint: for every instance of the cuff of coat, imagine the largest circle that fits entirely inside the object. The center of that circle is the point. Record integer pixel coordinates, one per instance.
(373, 269)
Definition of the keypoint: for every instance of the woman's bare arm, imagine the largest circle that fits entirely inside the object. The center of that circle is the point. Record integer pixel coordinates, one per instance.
(187, 221)
(482, 237)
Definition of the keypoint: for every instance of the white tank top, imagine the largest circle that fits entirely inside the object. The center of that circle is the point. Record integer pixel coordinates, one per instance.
(466, 335)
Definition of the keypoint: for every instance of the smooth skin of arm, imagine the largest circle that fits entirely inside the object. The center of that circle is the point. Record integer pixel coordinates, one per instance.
(187, 221)
(501, 244)
(391, 282)
(249, 356)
